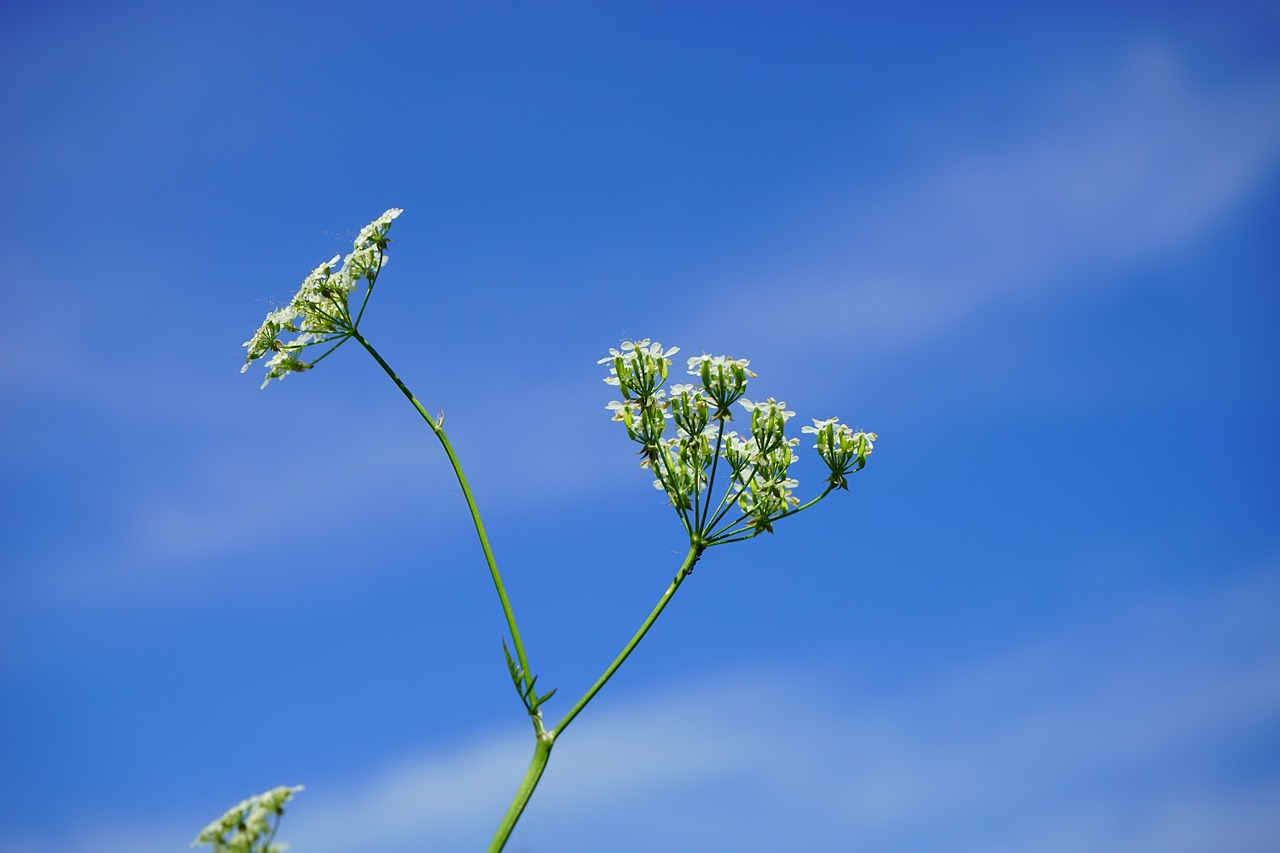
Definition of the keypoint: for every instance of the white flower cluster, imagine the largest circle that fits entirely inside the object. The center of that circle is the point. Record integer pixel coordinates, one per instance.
(250, 826)
(843, 450)
(724, 378)
(685, 464)
(322, 304)
(639, 368)
(766, 491)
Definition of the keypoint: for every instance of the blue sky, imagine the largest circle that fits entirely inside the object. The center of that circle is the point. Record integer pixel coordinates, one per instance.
(1032, 248)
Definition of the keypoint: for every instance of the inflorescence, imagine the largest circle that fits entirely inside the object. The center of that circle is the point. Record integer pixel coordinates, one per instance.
(250, 826)
(320, 312)
(685, 463)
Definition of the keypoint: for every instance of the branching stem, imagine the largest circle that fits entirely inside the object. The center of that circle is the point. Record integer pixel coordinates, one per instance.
(546, 740)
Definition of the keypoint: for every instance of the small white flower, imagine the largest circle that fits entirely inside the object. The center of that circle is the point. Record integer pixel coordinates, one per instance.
(869, 437)
(376, 231)
(620, 409)
(770, 408)
(819, 426)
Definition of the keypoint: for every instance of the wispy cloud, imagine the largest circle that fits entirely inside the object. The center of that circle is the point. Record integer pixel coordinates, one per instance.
(1122, 731)
(1115, 735)
(1110, 736)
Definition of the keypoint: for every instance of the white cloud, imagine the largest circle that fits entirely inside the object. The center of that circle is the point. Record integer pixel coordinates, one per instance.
(1100, 736)
(1116, 731)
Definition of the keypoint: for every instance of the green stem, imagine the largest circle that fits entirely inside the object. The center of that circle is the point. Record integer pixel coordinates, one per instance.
(705, 511)
(541, 752)
(471, 504)
(695, 551)
(274, 829)
(717, 538)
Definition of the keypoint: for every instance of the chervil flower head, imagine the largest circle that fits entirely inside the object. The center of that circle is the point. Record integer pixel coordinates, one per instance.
(639, 368)
(689, 408)
(768, 422)
(247, 826)
(264, 339)
(765, 499)
(739, 452)
(844, 451)
(692, 466)
(724, 378)
(374, 235)
(680, 473)
(319, 312)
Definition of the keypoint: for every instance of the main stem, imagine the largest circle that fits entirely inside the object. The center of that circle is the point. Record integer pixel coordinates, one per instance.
(471, 505)
(542, 751)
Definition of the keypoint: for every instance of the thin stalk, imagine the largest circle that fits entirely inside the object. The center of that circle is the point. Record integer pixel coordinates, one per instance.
(471, 505)
(368, 291)
(723, 507)
(272, 837)
(717, 538)
(547, 739)
(695, 551)
(665, 458)
(704, 511)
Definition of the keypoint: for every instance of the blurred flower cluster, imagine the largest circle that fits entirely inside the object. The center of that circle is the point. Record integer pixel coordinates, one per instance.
(685, 460)
(320, 311)
(250, 826)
